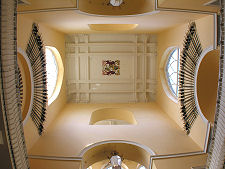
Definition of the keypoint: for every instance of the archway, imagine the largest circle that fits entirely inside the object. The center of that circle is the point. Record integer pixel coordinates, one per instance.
(207, 83)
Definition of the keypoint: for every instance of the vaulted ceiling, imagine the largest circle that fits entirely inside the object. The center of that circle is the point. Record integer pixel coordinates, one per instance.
(70, 16)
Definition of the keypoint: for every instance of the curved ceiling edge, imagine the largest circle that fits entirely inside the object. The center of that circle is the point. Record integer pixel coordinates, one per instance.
(20, 50)
(146, 148)
(115, 16)
(104, 7)
(204, 52)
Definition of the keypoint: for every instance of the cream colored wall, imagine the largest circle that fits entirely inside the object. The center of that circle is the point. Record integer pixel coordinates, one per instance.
(112, 113)
(175, 37)
(54, 164)
(50, 38)
(71, 132)
(180, 163)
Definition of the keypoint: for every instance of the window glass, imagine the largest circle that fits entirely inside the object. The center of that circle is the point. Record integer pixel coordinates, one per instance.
(52, 71)
(172, 69)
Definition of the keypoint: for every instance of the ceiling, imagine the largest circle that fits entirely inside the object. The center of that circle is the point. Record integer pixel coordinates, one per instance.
(188, 4)
(75, 22)
(68, 16)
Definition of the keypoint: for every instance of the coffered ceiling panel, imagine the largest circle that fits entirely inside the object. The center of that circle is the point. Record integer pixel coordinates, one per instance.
(106, 68)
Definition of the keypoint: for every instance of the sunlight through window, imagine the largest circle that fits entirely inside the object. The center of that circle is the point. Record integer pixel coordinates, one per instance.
(172, 69)
(52, 71)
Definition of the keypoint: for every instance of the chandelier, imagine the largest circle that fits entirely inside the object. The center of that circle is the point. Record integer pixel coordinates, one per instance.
(115, 2)
(116, 162)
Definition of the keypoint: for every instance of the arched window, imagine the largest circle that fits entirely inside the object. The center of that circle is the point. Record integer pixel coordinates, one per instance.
(172, 71)
(54, 68)
(52, 71)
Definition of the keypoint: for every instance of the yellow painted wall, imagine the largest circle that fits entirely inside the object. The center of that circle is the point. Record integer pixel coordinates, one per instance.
(207, 83)
(26, 80)
(126, 164)
(50, 38)
(112, 113)
(54, 164)
(126, 151)
(71, 132)
(181, 163)
(175, 37)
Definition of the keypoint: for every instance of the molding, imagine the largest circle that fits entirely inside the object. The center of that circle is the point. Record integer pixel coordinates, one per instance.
(173, 156)
(207, 137)
(113, 16)
(181, 10)
(136, 49)
(46, 10)
(157, 8)
(88, 147)
(162, 75)
(20, 50)
(55, 158)
(166, 156)
(199, 167)
(1, 138)
(60, 73)
(213, 47)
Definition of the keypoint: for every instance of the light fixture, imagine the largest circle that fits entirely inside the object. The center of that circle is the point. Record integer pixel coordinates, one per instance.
(115, 161)
(115, 2)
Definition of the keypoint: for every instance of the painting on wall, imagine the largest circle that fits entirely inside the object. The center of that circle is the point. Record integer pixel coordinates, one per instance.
(110, 67)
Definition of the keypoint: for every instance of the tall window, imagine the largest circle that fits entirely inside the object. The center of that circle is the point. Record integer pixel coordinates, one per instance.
(52, 71)
(172, 70)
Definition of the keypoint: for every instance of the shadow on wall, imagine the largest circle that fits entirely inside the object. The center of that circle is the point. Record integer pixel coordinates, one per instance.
(207, 83)
(128, 151)
(116, 115)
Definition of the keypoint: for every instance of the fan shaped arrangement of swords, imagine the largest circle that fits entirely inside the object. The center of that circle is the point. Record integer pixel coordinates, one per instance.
(36, 55)
(189, 57)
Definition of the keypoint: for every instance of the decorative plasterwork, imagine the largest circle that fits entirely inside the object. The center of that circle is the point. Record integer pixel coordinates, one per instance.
(131, 79)
(110, 67)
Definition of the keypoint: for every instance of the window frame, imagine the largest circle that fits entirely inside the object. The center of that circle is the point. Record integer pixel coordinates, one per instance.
(56, 67)
(162, 74)
(166, 67)
(60, 68)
